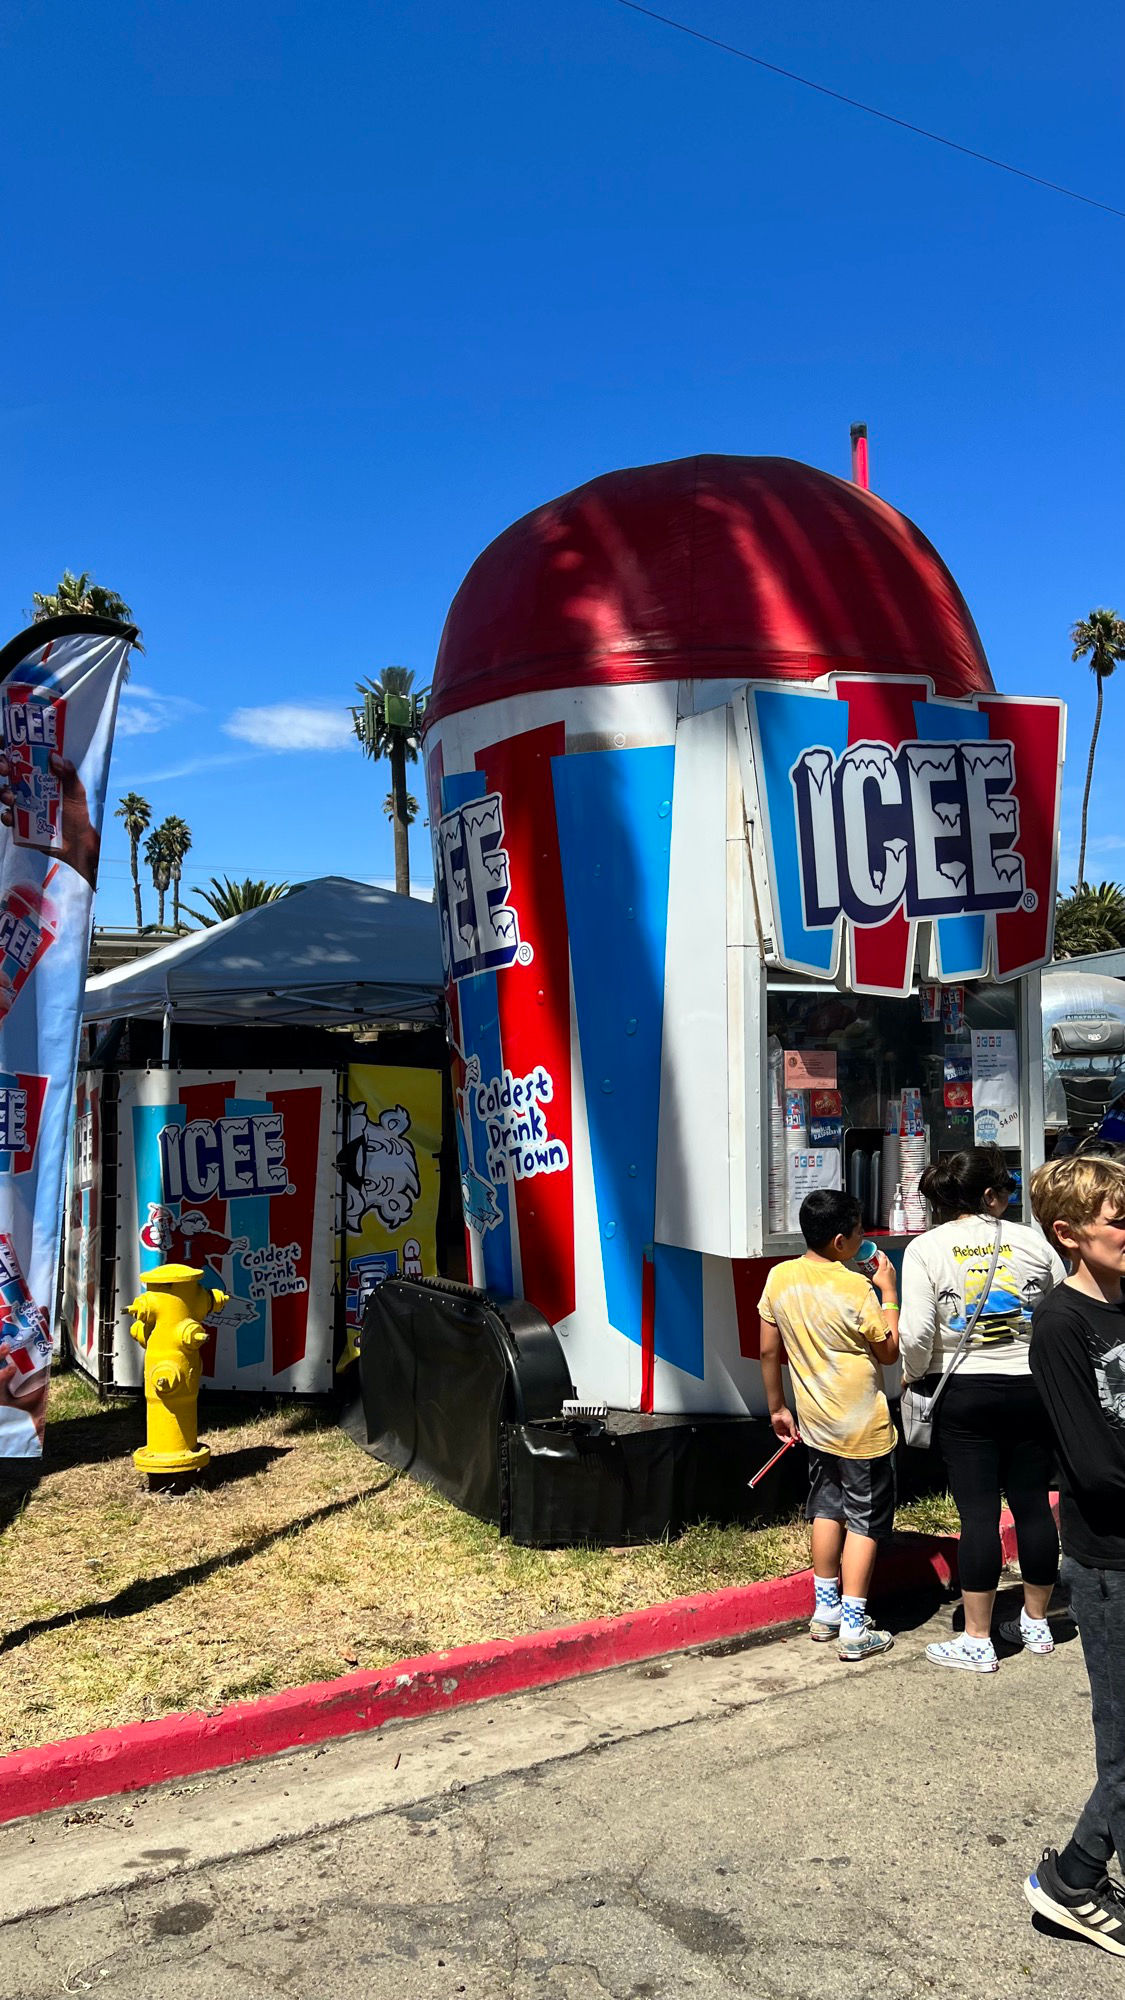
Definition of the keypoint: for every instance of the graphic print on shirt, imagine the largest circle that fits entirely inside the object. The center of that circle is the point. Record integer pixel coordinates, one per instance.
(1109, 1372)
(1006, 1313)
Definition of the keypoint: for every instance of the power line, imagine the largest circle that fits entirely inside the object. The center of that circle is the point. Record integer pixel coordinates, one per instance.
(872, 110)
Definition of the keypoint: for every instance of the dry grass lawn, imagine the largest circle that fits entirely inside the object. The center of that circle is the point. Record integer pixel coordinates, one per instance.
(301, 1559)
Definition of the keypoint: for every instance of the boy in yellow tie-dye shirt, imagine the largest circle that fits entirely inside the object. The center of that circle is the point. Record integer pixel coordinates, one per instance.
(837, 1337)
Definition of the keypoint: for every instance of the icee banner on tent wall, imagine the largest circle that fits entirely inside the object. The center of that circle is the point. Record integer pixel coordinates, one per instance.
(234, 1171)
(59, 688)
(390, 1169)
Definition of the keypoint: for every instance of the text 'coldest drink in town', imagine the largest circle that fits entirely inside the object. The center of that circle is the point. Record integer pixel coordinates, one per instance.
(34, 723)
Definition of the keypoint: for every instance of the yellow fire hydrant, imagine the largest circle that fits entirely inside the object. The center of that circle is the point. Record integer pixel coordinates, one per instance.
(167, 1321)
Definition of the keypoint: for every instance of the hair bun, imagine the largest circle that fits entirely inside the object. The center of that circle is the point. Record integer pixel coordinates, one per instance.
(958, 1184)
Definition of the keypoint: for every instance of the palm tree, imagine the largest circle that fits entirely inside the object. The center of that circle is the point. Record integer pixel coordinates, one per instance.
(411, 807)
(159, 858)
(82, 594)
(1090, 920)
(1102, 635)
(137, 814)
(229, 899)
(388, 725)
(177, 840)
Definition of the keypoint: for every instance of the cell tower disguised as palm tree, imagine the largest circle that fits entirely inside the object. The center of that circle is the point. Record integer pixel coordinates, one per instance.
(389, 725)
(411, 807)
(1102, 636)
(137, 815)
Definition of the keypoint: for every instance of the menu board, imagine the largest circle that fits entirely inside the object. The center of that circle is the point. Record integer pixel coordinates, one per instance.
(809, 1168)
(996, 1087)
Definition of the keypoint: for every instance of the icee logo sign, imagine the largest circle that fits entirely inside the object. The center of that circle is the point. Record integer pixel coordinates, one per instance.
(479, 928)
(21, 1110)
(227, 1157)
(883, 806)
(930, 828)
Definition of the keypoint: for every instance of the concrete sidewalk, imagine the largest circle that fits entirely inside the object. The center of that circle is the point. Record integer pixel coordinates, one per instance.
(763, 1821)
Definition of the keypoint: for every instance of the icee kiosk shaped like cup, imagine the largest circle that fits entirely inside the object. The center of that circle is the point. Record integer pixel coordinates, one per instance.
(745, 875)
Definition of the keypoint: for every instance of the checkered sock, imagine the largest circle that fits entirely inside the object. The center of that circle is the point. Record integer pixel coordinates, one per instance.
(855, 1610)
(827, 1606)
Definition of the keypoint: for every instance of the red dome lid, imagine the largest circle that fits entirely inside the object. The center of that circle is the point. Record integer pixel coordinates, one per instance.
(705, 568)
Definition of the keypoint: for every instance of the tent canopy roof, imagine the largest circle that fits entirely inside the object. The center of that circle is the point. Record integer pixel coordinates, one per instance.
(330, 950)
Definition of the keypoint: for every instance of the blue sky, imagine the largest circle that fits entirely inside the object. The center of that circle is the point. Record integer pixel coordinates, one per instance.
(306, 304)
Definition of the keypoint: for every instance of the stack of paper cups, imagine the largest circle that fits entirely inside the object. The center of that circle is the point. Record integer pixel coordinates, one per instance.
(914, 1153)
(890, 1172)
(778, 1180)
(913, 1160)
(796, 1141)
(905, 1152)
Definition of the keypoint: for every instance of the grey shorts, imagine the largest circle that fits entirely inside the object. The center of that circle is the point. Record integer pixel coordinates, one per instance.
(857, 1491)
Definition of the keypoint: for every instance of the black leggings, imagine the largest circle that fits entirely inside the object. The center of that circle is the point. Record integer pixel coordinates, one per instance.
(994, 1436)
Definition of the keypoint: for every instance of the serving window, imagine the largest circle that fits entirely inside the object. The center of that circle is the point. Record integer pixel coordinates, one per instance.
(862, 1092)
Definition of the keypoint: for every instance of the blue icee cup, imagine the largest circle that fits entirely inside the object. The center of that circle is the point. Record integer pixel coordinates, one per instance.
(867, 1257)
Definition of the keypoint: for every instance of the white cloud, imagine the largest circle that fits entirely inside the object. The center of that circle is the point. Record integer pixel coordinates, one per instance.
(290, 725)
(1102, 843)
(191, 767)
(144, 711)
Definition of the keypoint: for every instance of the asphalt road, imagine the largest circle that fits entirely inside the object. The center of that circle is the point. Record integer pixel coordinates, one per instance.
(763, 1822)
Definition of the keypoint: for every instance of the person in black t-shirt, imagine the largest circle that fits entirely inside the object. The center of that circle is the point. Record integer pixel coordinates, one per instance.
(1078, 1364)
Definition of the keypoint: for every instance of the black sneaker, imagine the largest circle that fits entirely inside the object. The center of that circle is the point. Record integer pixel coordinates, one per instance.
(1097, 1914)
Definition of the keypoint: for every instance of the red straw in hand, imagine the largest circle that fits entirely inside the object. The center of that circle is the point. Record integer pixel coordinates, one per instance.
(761, 1473)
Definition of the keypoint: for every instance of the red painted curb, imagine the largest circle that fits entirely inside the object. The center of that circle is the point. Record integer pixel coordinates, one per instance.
(177, 1746)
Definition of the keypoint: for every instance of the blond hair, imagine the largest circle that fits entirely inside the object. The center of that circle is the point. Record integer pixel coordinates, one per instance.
(1073, 1190)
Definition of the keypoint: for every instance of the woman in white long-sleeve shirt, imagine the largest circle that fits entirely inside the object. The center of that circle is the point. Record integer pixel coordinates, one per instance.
(990, 1424)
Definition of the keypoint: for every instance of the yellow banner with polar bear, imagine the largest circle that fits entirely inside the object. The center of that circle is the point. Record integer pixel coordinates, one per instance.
(389, 1171)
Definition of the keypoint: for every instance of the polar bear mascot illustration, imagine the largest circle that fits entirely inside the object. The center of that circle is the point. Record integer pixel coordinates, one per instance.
(379, 1166)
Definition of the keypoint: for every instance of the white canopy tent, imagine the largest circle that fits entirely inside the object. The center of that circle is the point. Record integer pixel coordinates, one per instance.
(330, 951)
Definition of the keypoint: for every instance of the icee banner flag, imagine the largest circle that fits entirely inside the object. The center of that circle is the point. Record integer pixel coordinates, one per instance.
(59, 687)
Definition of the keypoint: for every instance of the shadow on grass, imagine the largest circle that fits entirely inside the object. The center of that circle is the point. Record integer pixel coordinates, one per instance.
(152, 1590)
(230, 1466)
(16, 1489)
(114, 1429)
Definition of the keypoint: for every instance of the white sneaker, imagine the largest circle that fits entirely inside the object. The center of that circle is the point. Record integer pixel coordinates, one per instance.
(1034, 1635)
(864, 1645)
(821, 1629)
(973, 1656)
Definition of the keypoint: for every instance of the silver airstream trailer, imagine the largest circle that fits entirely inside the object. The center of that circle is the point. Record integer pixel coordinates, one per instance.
(1083, 1047)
